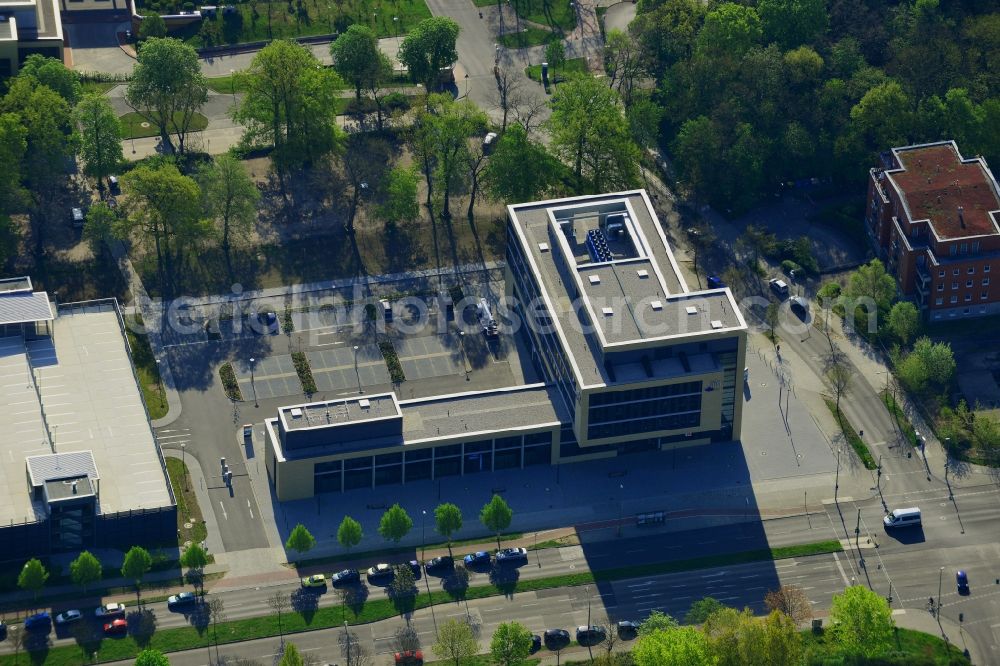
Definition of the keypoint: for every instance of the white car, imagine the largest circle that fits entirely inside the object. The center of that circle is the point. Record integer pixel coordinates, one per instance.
(68, 616)
(110, 610)
(512, 555)
(778, 286)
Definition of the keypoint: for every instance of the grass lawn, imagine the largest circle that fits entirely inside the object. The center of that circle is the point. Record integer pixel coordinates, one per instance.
(897, 412)
(572, 66)
(172, 640)
(262, 21)
(529, 36)
(556, 15)
(224, 85)
(931, 649)
(132, 125)
(851, 433)
(149, 373)
(188, 510)
(99, 87)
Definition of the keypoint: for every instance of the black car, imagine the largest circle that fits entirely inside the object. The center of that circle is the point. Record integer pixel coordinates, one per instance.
(556, 639)
(345, 577)
(381, 574)
(627, 629)
(414, 567)
(591, 635)
(182, 600)
(442, 563)
(477, 559)
(536, 643)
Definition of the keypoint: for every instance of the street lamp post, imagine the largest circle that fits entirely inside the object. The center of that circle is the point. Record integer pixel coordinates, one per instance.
(159, 383)
(940, 581)
(253, 384)
(395, 29)
(184, 463)
(347, 639)
(465, 357)
(356, 371)
(423, 526)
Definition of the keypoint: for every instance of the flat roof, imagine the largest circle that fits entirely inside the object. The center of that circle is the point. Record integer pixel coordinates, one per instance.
(472, 415)
(68, 488)
(628, 300)
(18, 306)
(44, 468)
(15, 284)
(92, 403)
(332, 413)
(933, 181)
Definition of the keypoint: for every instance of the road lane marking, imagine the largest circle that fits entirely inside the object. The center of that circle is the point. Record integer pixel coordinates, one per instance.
(224, 514)
(840, 568)
(250, 509)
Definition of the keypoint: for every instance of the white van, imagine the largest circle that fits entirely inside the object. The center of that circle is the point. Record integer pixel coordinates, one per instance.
(902, 518)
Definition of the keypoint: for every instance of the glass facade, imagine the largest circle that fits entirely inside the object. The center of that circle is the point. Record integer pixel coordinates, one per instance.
(648, 409)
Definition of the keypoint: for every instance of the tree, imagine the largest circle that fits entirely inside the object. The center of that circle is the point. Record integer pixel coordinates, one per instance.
(701, 609)
(555, 55)
(520, 169)
(511, 644)
(217, 613)
(136, 565)
(151, 657)
(729, 31)
(429, 48)
(100, 137)
(456, 642)
(590, 132)
(163, 207)
(644, 116)
(672, 646)
(862, 621)
(740, 639)
(496, 516)
(229, 196)
(400, 195)
(395, 524)
(698, 147)
(365, 160)
(279, 603)
(167, 88)
(300, 540)
(772, 317)
(448, 520)
(449, 127)
(357, 58)
(790, 600)
(840, 373)
(85, 569)
(883, 117)
(195, 558)
(404, 583)
(152, 26)
(793, 22)
(904, 321)
(291, 657)
(33, 576)
(871, 281)
(53, 74)
(16, 636)
(289, 104)
(13, 144)
(349, 533)
(928, 363)
(657, 621)
(624, 64)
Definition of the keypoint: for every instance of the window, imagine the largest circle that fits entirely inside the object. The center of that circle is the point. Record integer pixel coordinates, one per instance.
(965, 248)
(953, 250)
(972, 270)
(975, 246)
(966, 311)
(968, 283)
(938, 301)
(954, 285)
(968, 297)
(955, 272)
(986, 282)
(940, 274)
(954, 298)
(986, 268)
(983, 296)
(940, 286)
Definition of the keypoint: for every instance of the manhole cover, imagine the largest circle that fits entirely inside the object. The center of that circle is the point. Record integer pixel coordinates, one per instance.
(188, 526)
(144, 124)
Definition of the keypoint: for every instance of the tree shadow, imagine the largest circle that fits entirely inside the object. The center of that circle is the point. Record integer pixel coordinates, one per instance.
(141, 626)
(354, 597)
(37, 646)
(305, 602)
(456, 582)
(505, 579)
(199, 617)
(88, 638)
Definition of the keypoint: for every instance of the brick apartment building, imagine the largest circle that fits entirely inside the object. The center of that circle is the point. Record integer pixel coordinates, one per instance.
(934, 219)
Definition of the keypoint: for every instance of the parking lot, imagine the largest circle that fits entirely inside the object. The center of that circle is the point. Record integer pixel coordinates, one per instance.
(431, 356)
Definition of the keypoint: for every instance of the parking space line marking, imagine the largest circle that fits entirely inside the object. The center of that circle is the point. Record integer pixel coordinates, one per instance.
(250, 509)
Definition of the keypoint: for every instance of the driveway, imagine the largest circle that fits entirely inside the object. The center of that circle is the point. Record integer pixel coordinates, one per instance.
(95, 47)
(619, 16)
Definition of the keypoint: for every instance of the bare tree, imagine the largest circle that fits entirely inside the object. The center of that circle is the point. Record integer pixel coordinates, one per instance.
(529, 113)
(611, 637)
(279, 603)
(217, 612)
(476, 159)
(702, 238)
(790, 600)
(16, 637)
(839, 373)
(771, 315)
(353, 652)
(508, 93)
(405, 639)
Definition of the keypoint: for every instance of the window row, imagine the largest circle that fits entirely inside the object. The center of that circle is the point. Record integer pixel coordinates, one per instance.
(652, 392)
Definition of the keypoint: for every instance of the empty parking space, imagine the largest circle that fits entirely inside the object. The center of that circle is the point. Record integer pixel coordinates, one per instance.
(430, 356)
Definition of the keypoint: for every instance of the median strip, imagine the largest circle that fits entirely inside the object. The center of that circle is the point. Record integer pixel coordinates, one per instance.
(187, 638)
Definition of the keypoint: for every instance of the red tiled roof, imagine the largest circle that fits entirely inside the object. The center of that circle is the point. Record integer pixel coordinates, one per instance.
(934, 182)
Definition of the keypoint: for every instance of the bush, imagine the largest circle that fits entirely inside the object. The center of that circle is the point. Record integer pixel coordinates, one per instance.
(789, 267)
(304, 372)
(286, 321)
(396, 101)
(392, 361)
(228, 377)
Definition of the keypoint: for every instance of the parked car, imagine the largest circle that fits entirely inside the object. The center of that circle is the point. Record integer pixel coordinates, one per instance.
(962, 582)
(110, 610)
(68, 616)
(477, 559)
(117, 627)
(627, 629)
(715, 282)
(381, 574)
(414, 567)
(778, 286)
(512, 555)
(38, 622)
(591, 635)
(182, 599)
(536, 643)
(556, 639)
(77, 217)
(409, 658)
(345, 577)
(267, 323)
(3, 630)
(442, 563)
(114, 185)
(489, 141)
(315, 580)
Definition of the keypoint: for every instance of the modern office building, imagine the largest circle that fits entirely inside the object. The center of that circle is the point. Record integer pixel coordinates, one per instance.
(632, 359)
(79, 466)
(934, 218)
(27, 27)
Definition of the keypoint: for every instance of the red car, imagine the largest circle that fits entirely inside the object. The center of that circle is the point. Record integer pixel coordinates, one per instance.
(410, 658)
(117, 627)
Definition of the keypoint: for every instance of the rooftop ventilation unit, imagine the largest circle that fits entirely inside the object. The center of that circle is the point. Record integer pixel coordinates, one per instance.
(691, 310)
(642, 272)
(656, 305)
(595, 279)
(608, 311)
(296, 413)
(543, 247)
(716, 323)
(365, 403)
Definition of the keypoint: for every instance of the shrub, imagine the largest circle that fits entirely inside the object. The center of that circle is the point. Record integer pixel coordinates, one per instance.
(304, 372)
(397, 101)
(228, 377)
(286, 321)
(392, 361)
(788, 267)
